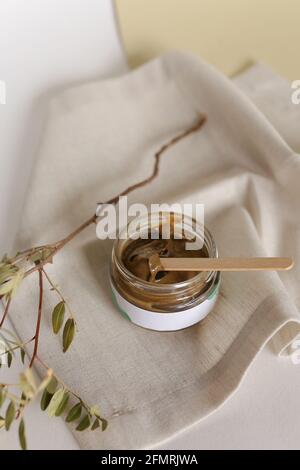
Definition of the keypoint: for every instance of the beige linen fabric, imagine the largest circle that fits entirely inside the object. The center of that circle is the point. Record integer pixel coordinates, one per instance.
(100, 138)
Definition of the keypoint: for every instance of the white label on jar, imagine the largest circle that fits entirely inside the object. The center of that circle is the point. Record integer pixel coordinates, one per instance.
(165, 321)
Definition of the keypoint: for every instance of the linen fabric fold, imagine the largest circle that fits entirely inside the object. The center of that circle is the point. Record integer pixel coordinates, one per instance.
(100, 138)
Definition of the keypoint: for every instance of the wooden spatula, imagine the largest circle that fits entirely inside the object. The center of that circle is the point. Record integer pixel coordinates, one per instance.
(226, 264)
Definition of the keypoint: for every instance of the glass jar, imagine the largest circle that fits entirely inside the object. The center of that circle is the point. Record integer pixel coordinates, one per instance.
(164, 307)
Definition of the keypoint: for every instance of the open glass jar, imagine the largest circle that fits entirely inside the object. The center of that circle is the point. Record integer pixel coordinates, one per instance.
(163, 306)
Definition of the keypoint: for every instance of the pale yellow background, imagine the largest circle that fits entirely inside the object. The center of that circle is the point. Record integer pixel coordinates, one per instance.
(228, 33)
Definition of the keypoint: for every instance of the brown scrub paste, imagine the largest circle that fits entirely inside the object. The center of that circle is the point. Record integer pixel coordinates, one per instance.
(141, 258)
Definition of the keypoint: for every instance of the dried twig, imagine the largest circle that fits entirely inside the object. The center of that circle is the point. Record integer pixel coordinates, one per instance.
(5, 311)
(157, 156)
(38, 323)
(57, 246)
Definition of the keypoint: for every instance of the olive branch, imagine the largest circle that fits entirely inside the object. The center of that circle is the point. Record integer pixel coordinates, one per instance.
(55, 395)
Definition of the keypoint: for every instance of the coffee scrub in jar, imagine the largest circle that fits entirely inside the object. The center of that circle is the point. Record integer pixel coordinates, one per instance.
(151, 297)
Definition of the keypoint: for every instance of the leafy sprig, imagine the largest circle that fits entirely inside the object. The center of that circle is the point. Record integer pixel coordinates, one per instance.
(56, 397)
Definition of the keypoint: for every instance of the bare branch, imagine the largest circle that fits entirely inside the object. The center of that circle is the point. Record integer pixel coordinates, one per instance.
(157, 156)
(5, 312)
(57, 246)
(38, 323)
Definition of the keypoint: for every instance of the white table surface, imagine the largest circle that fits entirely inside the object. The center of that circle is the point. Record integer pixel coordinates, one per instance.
(47, 45)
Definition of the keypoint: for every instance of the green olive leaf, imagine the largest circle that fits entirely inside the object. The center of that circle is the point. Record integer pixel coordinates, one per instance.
(94, 411)
(18, 278)
(2, 396)
(22, 353)
(84, 423)
(68, 334)
(62, 406)
(23, 400)
(58, 315)
(36, 257)
(46, 381)
(96, 424)
(27, 384)
(9, 358)
(7, 271)
(51, 387)
(6, 287)
(55, 401)
(10, 415)
(22, 436)
(41, 255)
(30, 378)
(104, 423)
(10, 279)
(45, 400)
(74, 413)
(2, 422)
